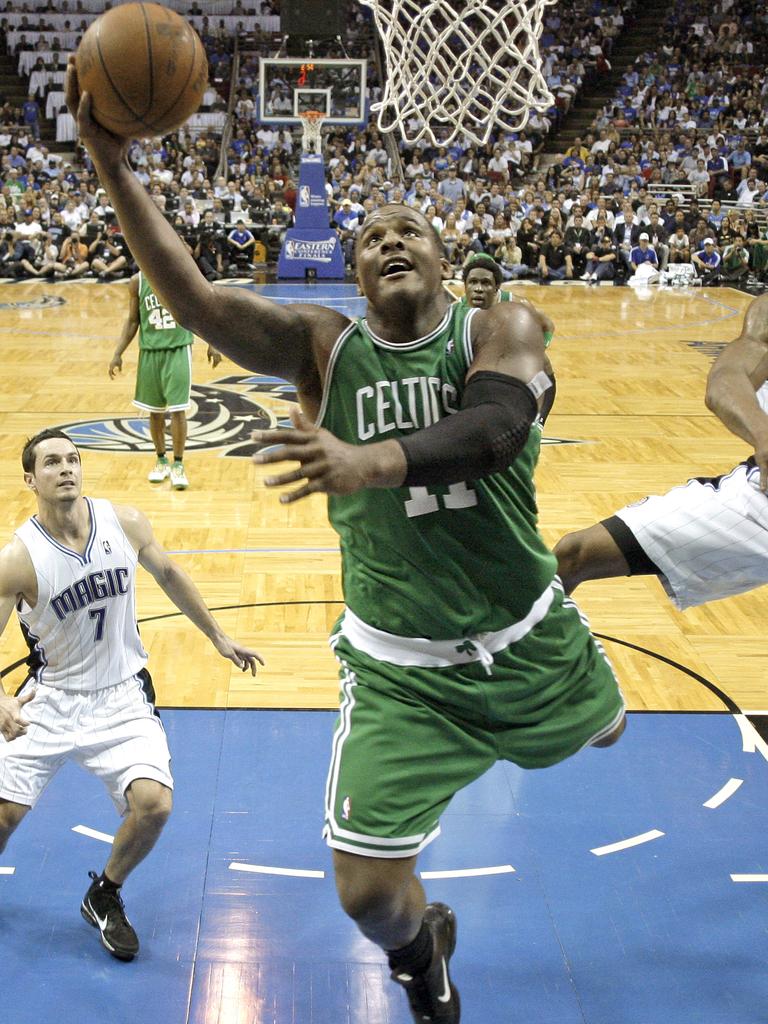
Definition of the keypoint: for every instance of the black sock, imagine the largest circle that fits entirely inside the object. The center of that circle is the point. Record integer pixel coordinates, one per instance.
(107, 883)
(416, 957)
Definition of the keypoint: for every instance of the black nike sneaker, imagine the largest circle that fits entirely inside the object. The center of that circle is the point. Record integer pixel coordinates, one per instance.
(104, 909)
(431, 995)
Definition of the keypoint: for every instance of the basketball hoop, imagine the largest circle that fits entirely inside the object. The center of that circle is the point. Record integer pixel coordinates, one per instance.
(312, 122)
(459, 66)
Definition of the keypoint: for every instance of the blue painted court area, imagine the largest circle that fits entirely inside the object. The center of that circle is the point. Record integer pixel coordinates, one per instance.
(652, 933)
(345, 298)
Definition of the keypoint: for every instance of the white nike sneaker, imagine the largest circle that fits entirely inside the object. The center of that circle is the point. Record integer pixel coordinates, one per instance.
(179, 480)
(431, 995)
(159, 472)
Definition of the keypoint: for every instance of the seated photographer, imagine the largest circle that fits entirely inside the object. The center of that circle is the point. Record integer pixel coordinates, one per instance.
(735, 262)
(602, 260)
(73, 258)
(208, 256)
(108, 256)
(46, 256)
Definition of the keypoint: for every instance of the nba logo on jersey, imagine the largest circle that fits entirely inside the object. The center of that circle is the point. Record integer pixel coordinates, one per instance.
(449, 347)
(346, 808)
(107, 547)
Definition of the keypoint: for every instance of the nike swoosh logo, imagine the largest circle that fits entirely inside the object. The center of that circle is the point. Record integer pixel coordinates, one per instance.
(445, 996)
(102, 922)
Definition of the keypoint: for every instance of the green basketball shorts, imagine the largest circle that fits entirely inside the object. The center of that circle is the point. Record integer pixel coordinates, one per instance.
(410, 736)
(164, 379)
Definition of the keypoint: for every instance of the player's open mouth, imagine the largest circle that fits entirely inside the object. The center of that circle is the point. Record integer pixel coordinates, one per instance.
(396, 265)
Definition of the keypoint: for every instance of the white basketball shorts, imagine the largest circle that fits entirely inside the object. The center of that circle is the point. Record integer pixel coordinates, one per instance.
(113, 733)
(709, 538)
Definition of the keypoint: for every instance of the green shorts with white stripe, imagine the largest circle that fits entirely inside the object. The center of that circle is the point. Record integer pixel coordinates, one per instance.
(410, 736)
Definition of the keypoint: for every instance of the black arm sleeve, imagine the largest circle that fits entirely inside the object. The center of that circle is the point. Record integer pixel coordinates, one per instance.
(485, 436)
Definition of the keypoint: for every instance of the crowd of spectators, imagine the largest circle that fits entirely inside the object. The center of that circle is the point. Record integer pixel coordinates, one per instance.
(672, 171)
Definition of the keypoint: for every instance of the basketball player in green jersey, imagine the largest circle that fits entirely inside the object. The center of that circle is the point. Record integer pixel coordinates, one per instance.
(457, 647)
(163, 377)
(482, 288)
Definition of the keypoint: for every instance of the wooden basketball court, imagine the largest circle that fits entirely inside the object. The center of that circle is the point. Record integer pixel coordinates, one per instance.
(631, 372)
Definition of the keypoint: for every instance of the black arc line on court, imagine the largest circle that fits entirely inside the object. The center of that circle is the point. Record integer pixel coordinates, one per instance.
(727, 701)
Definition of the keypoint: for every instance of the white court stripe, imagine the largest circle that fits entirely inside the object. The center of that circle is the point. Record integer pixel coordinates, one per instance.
(7, 871)
(104, 837)
(722, 794)
(501, 869)
(625, 844)
(751, 740)
(747, 734)
(261, 869)
(749, 878)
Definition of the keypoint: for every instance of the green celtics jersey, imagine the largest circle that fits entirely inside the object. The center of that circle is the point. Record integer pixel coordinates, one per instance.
(505, 296)
(157, 328)
(442, 561)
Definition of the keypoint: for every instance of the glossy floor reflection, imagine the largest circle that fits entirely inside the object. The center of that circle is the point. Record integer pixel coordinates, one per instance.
(654, 933)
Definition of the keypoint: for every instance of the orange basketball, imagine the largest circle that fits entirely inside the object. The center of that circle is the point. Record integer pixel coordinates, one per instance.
(145, 68)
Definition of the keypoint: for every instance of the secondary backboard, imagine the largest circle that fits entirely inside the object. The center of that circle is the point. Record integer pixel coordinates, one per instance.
(289, 86)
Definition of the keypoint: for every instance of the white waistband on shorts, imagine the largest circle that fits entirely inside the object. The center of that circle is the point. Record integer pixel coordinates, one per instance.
(419, 651)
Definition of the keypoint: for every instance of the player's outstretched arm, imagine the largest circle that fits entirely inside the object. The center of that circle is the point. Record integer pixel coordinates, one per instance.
(737, 373)
(129, 329)
(180, 589)
(254, 332)
(483, 437)
(16, 579)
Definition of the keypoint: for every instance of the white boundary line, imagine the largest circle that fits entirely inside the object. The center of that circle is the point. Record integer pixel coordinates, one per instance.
(749, 878)
(751, 740)
(501, 869)
(261, 869)
(7, 871)
(625, 844)
(723, 794)
(103, 837)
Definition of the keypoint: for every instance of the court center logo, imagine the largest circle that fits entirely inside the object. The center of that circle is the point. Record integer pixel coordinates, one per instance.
(41, 302)
(221, 416)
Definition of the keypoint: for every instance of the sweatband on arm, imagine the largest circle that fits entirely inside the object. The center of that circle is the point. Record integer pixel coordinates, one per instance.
(484, 436)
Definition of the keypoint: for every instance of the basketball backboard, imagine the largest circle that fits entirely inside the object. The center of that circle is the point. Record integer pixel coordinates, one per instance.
(289, 86)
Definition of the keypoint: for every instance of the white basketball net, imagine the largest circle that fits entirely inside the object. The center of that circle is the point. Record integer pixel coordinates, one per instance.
(312, 123)
(459, 67)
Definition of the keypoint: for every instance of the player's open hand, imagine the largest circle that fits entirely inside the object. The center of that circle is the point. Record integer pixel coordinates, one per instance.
(99, 142)
(214, 357)
(243, 657)
(326, 464)
(12, 722)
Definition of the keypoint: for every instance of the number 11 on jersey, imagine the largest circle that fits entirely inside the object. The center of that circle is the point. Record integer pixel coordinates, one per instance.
(421, 502)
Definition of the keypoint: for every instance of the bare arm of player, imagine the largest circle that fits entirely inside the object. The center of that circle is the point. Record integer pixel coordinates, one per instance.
(485, 434)
(737, 373)
(130, 327)
(257, 334)
(17, 579)
(174, 582)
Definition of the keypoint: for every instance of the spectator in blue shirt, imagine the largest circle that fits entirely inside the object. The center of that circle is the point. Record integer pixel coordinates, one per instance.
(641, 253)
(30, 114)
(707, 262)
(740, 160)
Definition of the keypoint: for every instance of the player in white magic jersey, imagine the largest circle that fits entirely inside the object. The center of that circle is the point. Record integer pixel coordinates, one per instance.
(709, 538)
(69, 573)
